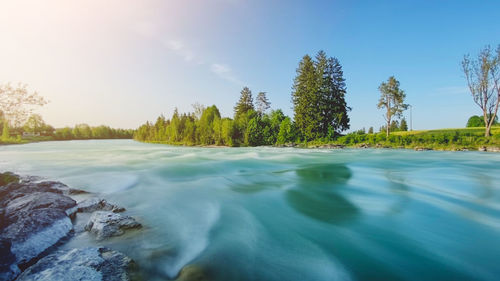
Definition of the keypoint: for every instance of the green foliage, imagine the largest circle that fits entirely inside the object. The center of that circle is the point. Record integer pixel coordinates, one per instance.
(436, 139)
(318, 97)
(5, 131)
(244, 104)
(392, 100)
(84, 131)
(478, 121)
(404, 125)
(475, 121)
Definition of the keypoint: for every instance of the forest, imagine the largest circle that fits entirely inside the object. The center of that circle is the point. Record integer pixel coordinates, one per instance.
(320, 113)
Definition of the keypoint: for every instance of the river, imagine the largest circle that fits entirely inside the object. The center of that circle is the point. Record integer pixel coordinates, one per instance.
(287, 213)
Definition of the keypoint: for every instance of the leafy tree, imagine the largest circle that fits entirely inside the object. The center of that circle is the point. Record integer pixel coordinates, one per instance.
(285, 134)
(475, 121)
(206, 132)
(245, 103)
(35, 124)
(404, 125)
(17, 103)
(262, 104)
(483, 80)
(392, 99)
(5, 131)
(254, 134)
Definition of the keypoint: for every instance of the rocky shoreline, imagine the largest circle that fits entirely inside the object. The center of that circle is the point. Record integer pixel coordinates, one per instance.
(38, 216)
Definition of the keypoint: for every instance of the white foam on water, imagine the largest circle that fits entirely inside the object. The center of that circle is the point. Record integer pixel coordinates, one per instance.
(192, 227)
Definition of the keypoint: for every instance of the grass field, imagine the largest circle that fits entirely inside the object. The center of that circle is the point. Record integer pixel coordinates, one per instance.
(441, 139)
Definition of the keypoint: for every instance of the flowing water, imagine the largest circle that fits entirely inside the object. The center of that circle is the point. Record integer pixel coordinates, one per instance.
(286, 213)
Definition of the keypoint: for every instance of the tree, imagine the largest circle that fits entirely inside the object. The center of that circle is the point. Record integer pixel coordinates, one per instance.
(318, 97)
(262, 104)
(17, 103)
(392, 99)
(5, 131)
(370, 130)
(244, 104)
(285, 134)
(34, 124)
(475, 121)
(483, 79)
(404, 125)
(332, 90)
(305, 99)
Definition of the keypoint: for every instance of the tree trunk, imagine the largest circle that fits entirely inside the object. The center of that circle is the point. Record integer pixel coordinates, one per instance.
(487, 124)
(387, 128)
(487, 132)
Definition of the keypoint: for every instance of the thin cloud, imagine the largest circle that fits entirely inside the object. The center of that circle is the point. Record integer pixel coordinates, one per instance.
(150, 30)
(180, 49)
(225, 72)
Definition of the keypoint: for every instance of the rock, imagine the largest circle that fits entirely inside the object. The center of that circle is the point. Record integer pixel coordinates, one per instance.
(418, 148)
(192, 273)
(364, 145)
(8, 177)
(493, 149)
(32, 219)
(96, 204)
(107, 224)
(482, 148)
(331, 146)
(81, 264)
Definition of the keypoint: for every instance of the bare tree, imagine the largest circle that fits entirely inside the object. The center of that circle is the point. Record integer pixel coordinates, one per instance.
(17, 103)
(483, 77)
(392, 99)
(262, 103)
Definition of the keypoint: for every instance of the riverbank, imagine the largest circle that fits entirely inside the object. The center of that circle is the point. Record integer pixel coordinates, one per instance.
(37, 217)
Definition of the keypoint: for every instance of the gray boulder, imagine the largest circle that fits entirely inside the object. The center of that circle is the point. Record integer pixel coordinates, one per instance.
(32, 219)
(99, 264)
(106, 224)
(94, 204)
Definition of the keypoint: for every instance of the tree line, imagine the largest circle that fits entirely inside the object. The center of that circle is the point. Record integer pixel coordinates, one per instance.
(320, 113)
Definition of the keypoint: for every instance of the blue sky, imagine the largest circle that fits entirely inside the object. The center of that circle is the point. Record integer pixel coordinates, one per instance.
(122, 63)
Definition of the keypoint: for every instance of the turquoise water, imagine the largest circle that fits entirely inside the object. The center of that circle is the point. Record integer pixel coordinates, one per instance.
(285, 213)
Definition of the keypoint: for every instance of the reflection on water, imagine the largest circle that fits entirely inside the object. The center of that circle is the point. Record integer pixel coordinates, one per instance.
(318, 193)
(288, 214)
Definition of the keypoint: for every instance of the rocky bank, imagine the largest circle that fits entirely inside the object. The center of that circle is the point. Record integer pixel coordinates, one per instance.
(36, 217)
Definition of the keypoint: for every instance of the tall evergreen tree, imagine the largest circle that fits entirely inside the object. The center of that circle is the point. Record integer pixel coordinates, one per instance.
(244, 104)
(332, 105)
(305, 99)
(319, 97)
(262, 103)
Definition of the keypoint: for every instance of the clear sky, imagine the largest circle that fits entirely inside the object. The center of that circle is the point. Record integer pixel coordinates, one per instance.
(121, 62)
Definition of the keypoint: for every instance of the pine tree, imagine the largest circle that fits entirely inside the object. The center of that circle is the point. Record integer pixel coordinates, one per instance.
(305, 99)
(244, 104)
(262, 103)
(332, 95)
(404, 125)
(319, 97)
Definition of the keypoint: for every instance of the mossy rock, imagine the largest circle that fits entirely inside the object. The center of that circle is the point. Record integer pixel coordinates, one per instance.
(192, 272)
(8, 177)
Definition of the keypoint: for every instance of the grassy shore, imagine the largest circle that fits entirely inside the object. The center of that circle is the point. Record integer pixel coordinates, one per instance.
(442, 139)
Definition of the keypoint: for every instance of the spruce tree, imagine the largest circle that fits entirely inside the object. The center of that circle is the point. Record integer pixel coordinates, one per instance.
(244, 104)
(305, 99)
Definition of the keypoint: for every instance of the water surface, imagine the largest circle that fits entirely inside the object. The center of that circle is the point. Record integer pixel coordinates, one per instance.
(286, 213)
